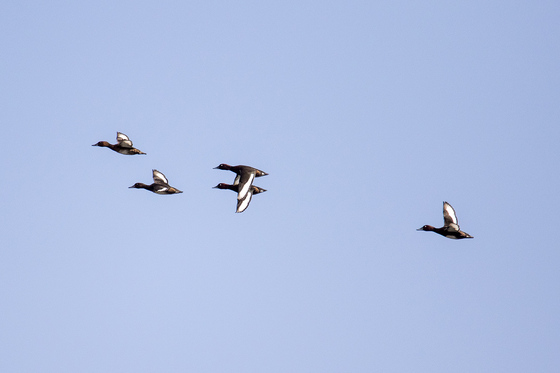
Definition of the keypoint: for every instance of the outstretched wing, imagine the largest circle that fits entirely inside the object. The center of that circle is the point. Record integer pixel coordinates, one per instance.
(159, 177)
(449, 217)
(243, 203)
(123, 140)
(245, 183)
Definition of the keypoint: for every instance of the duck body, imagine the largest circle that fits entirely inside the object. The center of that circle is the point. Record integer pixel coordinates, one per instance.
(123, 145)
(254, 189)
(450, 227)
(446, 232)
(242, 203)
(245, 177)
(159, 186)
(241, 169)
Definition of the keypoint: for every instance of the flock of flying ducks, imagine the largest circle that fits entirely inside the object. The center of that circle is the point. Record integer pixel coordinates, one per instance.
(243, 186)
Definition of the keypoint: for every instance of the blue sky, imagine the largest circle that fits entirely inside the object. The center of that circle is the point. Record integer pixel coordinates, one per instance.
(366, 115)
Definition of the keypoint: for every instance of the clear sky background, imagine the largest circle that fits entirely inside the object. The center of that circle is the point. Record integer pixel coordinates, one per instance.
(367, 115)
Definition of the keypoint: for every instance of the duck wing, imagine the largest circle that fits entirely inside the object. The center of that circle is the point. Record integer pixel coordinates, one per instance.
(243, 203)
(160, 188)
(236, 181)
(449, 217)
(159, 178)
(245, 182)
(123, 140)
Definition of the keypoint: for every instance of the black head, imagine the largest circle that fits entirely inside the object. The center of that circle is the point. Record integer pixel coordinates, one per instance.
(221, 186)
(226, 186)
(138, 186)
(102, 143)
(223, 166)
(426, 228)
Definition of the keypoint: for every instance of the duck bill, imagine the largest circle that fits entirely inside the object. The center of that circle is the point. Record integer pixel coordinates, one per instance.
(420, 229)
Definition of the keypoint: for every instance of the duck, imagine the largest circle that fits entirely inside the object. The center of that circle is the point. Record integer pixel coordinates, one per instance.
(242, 204)
(450, 227)
(123, 145)
(244, 178)
(160, 185)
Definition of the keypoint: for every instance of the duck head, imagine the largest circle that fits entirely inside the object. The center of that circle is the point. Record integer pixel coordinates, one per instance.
(138, 186)
(102, 143)
(222, 186)
(426, 228)
(222, 166)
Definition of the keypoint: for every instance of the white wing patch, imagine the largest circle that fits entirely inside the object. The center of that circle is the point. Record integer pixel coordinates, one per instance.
(245, 188)
(236, 181)
(160, 189)
(123, 140)
(453, 228)
(449, 215)
(244, 203)
(121, 136)
(159, 177)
